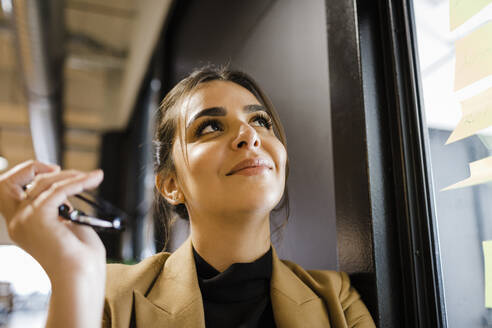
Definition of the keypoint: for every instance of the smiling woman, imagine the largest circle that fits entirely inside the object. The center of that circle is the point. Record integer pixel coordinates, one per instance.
(222, 164)
(237, 206)
(207, 116)
(225, 171)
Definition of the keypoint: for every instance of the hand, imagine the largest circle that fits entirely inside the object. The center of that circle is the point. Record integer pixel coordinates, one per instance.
(62, 248)
(72, 255)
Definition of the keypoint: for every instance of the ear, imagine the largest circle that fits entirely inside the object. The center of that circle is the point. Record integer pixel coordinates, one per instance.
(169, 188)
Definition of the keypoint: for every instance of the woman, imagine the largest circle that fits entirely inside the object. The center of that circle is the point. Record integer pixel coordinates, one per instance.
(221, 163)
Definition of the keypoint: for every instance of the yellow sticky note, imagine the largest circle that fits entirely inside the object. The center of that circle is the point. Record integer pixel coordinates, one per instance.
(477, 115)
(462, 10)
(480, 172)
(487, 254)
(473, 56)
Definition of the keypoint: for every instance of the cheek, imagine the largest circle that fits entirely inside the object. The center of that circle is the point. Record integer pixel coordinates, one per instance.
(204, 160)
(280, 154)
(198, 172)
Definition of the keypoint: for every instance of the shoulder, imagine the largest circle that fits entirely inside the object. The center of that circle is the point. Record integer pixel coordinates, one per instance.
(342, 300)
(320, 279)
(121, 278)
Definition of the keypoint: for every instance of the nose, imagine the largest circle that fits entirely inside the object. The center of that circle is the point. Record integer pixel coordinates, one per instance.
(247, 137)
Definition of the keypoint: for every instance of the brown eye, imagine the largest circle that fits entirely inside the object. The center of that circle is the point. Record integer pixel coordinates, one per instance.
(204, 124)
(264, 119)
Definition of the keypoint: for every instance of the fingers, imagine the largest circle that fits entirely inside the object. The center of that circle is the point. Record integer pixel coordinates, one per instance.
(36, 226)
(44, 181)
(24, 173)
(59, 191)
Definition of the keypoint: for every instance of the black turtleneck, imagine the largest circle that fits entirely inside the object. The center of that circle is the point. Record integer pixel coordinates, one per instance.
(239, 296)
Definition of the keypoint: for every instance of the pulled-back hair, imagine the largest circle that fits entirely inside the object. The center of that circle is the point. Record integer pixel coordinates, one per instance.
(168, 120)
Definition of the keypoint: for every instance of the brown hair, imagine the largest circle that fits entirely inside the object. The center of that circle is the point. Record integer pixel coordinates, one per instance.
(168, 119)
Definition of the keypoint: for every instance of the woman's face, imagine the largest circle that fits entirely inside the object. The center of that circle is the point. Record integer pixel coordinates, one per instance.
(237, 130)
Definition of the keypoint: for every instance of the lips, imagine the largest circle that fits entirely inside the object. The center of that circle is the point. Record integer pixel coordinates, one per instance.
(251, 162)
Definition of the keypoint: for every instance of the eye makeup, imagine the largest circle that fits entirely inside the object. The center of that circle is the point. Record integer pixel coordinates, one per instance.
(259, 116)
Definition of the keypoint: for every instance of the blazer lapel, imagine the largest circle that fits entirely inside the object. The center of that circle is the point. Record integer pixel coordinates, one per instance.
(294, 303)
(175, 299)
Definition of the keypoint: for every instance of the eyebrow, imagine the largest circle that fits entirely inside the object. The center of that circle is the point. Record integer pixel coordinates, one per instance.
(221, 111)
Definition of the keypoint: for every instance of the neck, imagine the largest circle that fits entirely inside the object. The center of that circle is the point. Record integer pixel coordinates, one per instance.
(222, 244)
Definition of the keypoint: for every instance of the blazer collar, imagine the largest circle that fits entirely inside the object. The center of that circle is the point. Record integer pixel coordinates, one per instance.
(175, 297)
(294, 303)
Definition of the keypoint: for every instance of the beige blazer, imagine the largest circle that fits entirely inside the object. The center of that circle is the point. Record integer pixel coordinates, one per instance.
(163, 291)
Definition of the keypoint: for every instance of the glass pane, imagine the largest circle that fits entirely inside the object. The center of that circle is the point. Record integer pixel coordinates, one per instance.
(464, 215)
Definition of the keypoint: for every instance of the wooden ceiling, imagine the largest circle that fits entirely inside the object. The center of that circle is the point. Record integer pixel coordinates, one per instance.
(108, 47)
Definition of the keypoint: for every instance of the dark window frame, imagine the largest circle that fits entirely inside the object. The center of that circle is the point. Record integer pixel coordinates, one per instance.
(383, 183)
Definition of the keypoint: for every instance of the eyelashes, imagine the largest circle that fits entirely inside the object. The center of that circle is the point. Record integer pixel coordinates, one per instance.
(262, 117)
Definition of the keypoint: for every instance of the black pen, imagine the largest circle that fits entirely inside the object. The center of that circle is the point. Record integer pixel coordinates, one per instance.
(79, 217)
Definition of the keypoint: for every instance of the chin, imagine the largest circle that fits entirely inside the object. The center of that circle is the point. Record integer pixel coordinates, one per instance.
(264, 203)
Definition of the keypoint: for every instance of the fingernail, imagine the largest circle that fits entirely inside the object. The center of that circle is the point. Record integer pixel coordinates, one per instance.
(97, 172)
